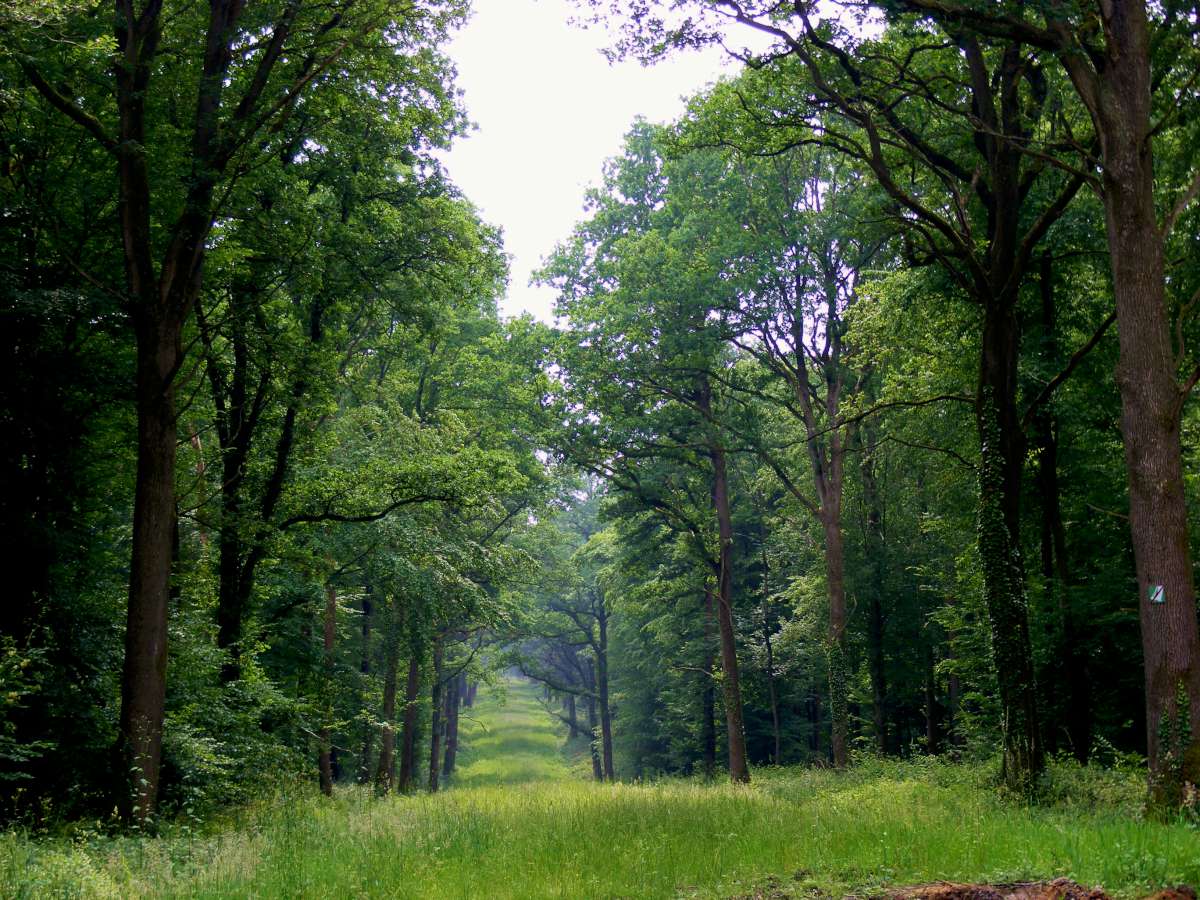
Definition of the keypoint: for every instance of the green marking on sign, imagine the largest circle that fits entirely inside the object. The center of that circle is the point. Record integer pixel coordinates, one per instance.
(1156, 593)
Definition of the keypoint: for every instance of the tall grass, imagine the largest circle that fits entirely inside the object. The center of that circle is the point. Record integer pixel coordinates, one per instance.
(517, 824)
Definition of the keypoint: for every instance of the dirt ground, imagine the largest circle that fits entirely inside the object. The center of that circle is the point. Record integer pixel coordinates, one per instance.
(1059, 889)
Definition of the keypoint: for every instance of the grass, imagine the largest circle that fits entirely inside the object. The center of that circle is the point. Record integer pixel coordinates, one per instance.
(520, 824)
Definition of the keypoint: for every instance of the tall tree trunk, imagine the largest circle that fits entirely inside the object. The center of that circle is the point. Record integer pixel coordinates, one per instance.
(1151, 405)
(814, 721)
(839, 677)
(387, 744)
(933, 737)
(364, 666)
(1072, 659)
(593, 749)
(328, 632)
(606, 744)
(144, 673)
(708, 694)
(739, 771)
(876, 547)
(453, 699)
(772, 693)
(1002, 457)
(435, 728)
(954, 696)
(572, 718)
(408, 735)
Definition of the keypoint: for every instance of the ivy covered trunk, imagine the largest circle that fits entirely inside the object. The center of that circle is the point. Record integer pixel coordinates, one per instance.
(593, 748)
(1004, 591)
(739, 770)
(839, 690)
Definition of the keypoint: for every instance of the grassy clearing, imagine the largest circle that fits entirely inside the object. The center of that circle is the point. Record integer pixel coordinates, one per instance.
(518, 824)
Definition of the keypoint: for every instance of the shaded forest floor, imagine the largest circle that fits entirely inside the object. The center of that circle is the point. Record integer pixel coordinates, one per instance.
(521, 823)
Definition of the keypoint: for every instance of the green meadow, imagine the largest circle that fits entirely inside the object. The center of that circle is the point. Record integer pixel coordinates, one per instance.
(523, 821)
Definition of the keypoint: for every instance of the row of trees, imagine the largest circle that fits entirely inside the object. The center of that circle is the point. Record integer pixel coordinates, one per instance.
(253, 372)
(863, 290)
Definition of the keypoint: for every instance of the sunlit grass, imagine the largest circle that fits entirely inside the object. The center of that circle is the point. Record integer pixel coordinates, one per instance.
(518, 824)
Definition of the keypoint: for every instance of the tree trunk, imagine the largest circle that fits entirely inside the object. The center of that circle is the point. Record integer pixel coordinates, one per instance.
(408, 735)
(1002, 457)
(572, 719)
(329, 630)
(435, 728)
(1150, 408)
(144, 674)
(364, 763)
(453, 698)
(876, 547)
(814, 720)
(387, 745)
(954, 696)
(1072, 659)
(597, 768)
(606, 745)
(708, 695)
(739, 771)
(772, 694)
(932, 730)
(839, 688)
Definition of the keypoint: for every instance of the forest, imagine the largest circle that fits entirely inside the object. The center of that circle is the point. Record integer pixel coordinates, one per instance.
(834, 539)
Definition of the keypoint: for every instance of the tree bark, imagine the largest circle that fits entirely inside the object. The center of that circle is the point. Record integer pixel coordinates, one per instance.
(1072, 659)
(606, 744)
(597, 767)
(144, 673)
(708, 694)
(836, 649)
(384, 771)
(435, 728)
(1004, 581)
(1151, 404)
(408, 735)
(772, 693)
(325, 762)
(933, 738)
(814, 720)
(876, 624)
(453, 699)
(739, 771)
(572, 718)
(364, 763)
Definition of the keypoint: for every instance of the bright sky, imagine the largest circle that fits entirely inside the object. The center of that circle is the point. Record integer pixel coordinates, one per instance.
(550, 110)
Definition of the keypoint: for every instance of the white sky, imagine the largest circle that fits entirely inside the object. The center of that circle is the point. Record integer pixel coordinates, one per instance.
(550, 110)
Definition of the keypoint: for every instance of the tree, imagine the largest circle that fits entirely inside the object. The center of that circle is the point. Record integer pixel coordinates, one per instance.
(1121, 60)
(242, 109)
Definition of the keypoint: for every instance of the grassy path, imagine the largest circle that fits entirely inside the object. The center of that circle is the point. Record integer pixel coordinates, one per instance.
(519, 824)
(509, 739)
